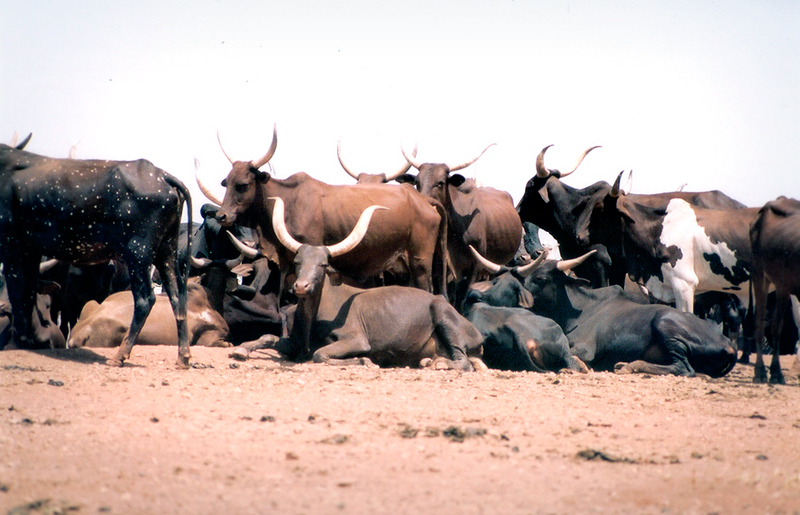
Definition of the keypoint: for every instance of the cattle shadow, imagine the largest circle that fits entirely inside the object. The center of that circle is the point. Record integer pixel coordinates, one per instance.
(80, 355)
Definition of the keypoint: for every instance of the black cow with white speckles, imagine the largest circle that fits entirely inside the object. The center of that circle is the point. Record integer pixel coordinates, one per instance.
(86, 212)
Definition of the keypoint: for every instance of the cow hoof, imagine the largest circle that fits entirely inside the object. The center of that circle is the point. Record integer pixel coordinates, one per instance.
(182, 362)
(115, 362)
(425, 362)
(478, 365)
(239, 354)
(623, 368)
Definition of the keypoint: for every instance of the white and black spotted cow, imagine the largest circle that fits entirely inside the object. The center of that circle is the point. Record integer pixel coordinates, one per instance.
(676, 249)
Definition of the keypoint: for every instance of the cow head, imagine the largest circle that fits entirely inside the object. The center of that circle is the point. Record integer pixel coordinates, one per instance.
(434, 179)
(372, 178)
(241, 185)
(312, 262)
(506, 289)
(548, 286)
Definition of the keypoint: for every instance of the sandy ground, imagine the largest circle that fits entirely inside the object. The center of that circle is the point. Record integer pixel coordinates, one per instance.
(77, 436)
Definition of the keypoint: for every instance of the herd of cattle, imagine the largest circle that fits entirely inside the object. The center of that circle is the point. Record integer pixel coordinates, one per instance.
(401, 269)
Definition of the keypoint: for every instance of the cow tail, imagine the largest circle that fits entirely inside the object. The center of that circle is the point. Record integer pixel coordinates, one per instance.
(183, 261)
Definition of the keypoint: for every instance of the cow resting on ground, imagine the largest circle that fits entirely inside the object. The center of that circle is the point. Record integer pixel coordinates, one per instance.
(90, 211)
(775, 239)
(391, 326)
(514, 338)
(107, 323)
(609, 331)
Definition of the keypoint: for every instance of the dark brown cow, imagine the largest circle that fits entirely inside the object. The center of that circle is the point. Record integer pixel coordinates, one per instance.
(775, 240)
(320, 214)
(484, 218)
(391, 325)
(90, 211)
(105, 324)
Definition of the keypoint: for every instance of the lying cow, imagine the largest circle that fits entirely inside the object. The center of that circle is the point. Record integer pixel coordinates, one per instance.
(105, 324)
(607, 330)
(514, 338)
(391, 325)
(46, 334)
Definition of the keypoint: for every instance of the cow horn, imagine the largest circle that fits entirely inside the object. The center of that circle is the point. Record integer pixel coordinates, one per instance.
(44, 266)
(629, 186)
(21, 146)
(356, 235)
(615, 189)
(219, 140)
(246, 250)
(203, 188)
(580, 160)
(73, 151)
(541, 171)
(467, 163)
(401, 171)
(199, 263)
(524, 270)
(264, 160)
(279, 226)
(568, 264)
(339, 155)
(411, 159)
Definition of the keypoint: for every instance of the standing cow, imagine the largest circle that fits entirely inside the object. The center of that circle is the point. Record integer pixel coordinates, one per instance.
(775, 240)
(90, 211)
(321, 214)
(482, 217)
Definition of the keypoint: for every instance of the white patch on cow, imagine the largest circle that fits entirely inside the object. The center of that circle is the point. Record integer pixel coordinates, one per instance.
(691, 273)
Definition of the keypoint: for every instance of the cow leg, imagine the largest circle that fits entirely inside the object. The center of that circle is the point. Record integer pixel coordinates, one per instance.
(21, 278)
(175, 288)
(242, 352)
(643, 367)
(775, 372)
(143, 300)
(760, 284)
(347, 351)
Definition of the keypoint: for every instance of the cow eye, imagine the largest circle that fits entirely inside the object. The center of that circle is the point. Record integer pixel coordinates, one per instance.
(241, 188)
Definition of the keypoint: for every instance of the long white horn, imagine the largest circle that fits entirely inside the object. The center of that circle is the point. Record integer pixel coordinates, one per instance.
(411, 159)
(44, 266)
(568, 264)
(339, 155)
(356, 235)
(486, 263)
(526, 270)
(541, 170)
(73, 151)
(247, 251)
(203, 188)
(580, 160)
(279, 226)
(219, 140)
(467, 163)
(261, 162)
(401, 171)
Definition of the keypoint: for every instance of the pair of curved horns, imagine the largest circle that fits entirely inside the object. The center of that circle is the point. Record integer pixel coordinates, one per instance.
(21, 146)
(416, 164)
(524, 270)
(544, 173)
(388, 177)
(264, 160)
(617, 189)
(346, 245)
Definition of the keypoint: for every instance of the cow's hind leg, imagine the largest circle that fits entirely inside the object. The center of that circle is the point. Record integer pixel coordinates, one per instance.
(775, 372)
(454, 335)
(346, 351)
(143, 300)
(175, 288)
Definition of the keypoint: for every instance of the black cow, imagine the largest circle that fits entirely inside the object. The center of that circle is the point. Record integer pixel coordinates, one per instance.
(90, 211)
(514, 338)
(391, 325)
(609, 331)
(775, 240)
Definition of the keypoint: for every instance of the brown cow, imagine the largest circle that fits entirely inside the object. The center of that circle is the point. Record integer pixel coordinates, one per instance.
(373, 178)
(484, 218)
(320, 214)
(105, 324)
(775, 242)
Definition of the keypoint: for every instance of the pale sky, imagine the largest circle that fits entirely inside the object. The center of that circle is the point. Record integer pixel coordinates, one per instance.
(699, 92)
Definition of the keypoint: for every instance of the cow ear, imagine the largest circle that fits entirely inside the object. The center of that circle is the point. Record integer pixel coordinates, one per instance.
(262, 177)
(525, 298)
(456, 179)
(406, 178)
(543, 193)
(335, 276)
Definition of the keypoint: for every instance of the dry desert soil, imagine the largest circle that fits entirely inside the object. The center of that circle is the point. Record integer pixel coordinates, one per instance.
(267, 436)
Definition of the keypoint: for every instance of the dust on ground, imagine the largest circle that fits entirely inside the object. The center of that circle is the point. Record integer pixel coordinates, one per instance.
(266, 436)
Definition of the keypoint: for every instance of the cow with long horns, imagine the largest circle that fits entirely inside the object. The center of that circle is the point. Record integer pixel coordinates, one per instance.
(320, 214)
(482, 217)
